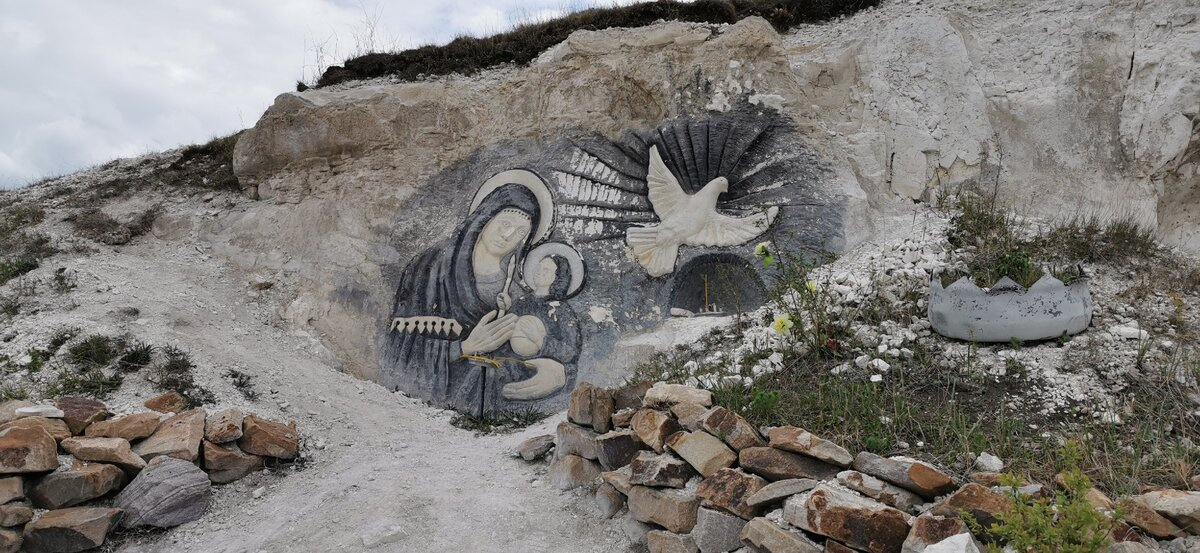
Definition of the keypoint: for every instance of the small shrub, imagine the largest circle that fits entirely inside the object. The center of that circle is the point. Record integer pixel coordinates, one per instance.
(10, 305)
(498, 423)
(90, 382)
(1065, 523)
(95, 351)
(63, 281)
(10, 269)
(97, 225)
(175, 373)
(135, 357)
(60, 338)
(243, 382)
(37, 359)
(763, 402)
(10, 392)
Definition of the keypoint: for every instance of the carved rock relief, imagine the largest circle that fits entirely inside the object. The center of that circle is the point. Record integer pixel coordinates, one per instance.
(486, 319)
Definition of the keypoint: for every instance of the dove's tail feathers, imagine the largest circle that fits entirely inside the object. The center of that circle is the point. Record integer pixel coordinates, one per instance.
(657, 258)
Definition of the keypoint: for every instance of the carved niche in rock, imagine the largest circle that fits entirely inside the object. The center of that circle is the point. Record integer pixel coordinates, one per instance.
(487, 318)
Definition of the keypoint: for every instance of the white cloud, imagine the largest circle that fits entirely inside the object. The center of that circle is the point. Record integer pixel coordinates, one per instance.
(85, 82)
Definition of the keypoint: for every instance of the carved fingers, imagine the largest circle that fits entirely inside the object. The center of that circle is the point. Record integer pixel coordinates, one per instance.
(491, 332)
(550, 377)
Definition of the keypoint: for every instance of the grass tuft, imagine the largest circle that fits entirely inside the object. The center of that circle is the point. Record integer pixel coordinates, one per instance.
(498, 423)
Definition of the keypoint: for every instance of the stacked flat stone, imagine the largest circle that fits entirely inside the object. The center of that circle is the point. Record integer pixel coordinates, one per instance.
(160, 465)
(691, 477)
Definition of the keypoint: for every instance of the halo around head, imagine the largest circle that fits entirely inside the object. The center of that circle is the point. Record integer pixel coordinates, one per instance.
(529, 180)
(574, 260)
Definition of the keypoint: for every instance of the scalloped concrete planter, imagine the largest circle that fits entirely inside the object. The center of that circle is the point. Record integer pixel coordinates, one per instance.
(1007, 310)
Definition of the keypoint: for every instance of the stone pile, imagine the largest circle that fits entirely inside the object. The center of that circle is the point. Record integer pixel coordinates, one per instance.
(691, 476)
(154, 468)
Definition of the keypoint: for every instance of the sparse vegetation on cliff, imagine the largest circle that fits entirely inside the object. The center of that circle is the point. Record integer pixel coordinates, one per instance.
(468, 55)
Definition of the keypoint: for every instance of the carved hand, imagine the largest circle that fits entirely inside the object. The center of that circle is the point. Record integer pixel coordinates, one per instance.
(489, 334)
(551, 376)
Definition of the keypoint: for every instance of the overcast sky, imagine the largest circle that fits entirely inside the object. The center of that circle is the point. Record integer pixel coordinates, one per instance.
(87, 81)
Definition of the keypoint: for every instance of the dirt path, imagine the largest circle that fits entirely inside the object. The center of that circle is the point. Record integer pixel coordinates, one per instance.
(390, 469)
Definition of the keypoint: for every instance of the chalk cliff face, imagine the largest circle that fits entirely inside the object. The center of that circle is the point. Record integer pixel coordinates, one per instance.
(1066, 109)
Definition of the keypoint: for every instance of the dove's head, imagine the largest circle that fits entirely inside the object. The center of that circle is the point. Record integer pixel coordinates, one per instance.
(721, 184)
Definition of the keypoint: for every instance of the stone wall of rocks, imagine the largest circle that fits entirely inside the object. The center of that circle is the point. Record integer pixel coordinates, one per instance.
(69, 474)
(689, 476)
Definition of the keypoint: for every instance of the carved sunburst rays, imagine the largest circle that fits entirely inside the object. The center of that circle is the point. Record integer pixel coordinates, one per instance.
(602, 189)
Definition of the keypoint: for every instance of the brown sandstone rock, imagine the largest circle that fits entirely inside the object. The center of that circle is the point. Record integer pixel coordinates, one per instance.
(777, 464)
(773, 538)
(269, 438)
(79, 412)
(602, 410)
(799, 440)
(653, 427)
(572, 471)
(728, 489)
(57, 428)
(130, 427)
(616, 449)
(105, 450)
(1141, 515)
(780, 490)
(609, 501)
(223, 426)
(572, 439)
(11, 489)
(883, 492)
(15, 514)
(672, 509)
(988, 479)
(703, 451)
(74, 485)
(832, 546)
(913, 476)
(8, 410)
(167, 493)
(623, 418)
(579, 407)
(1183, 508)
(536, 447)
(178, 437)
(25, 450)
(226, 463)
(662, 471)
(70, 530)
(170, 402)
(848, 518)
(10, 541)
(929, 529)
(630, 396)
(980, 502)
(688, 414)
(662, 541)
(731, 428)
(666, 395)
(619, 479)
(716, 531)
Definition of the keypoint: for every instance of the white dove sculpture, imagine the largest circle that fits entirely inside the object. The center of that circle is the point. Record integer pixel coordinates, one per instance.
(690, 219)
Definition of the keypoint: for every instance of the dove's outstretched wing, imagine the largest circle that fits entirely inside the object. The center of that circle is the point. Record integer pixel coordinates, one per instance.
(723, 230)
(666, 196)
